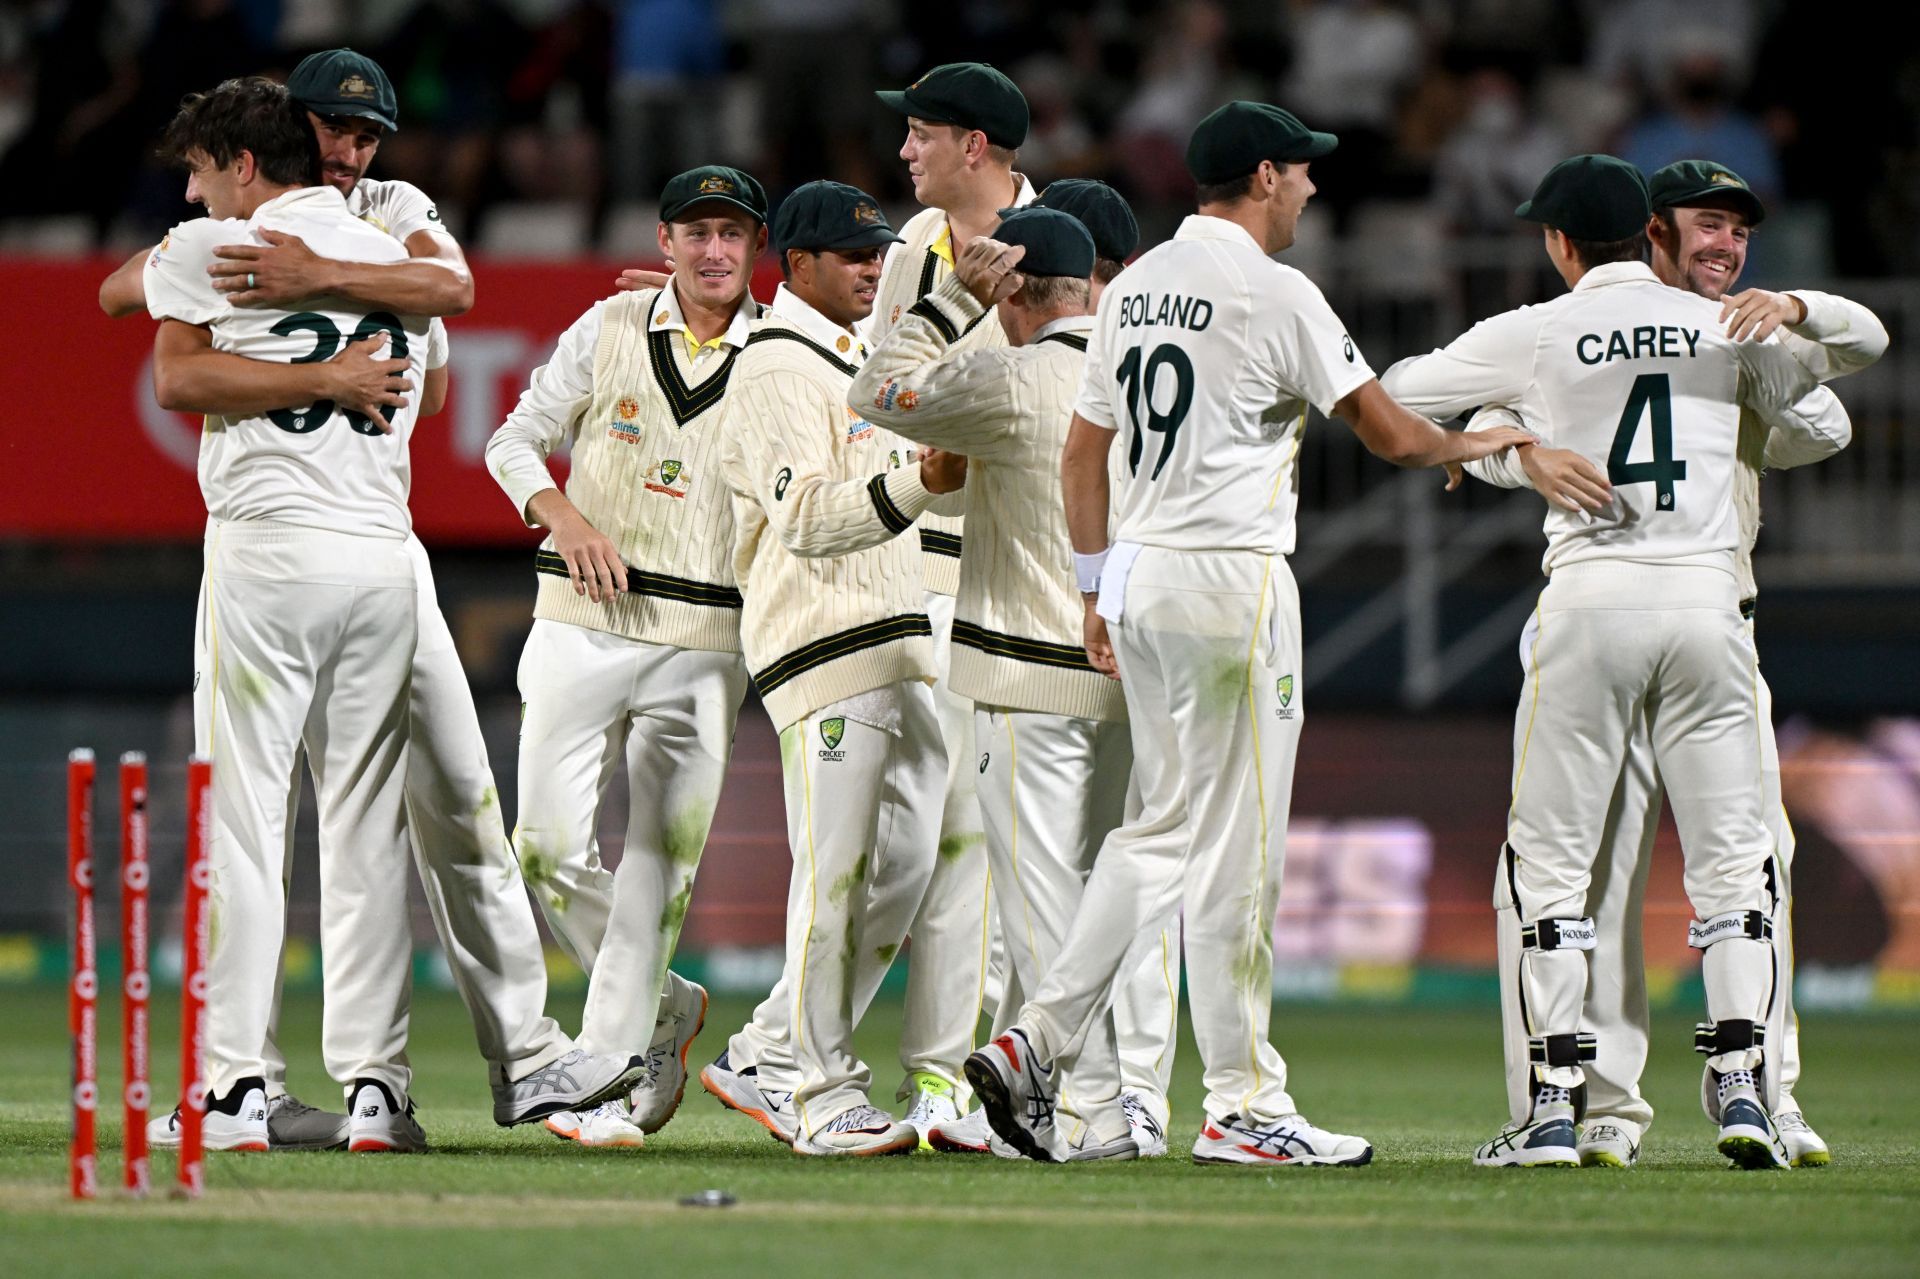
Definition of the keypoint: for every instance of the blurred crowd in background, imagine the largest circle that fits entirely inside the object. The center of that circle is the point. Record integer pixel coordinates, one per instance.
(576, 110)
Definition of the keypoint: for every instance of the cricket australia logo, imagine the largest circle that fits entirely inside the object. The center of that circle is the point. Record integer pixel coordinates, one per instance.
(1283, 689)
(831, 731)
(670, 478)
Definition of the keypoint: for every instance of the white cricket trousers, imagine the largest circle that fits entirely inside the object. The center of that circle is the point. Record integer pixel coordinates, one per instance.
(307, 635)
(593, 702)
(863, 805)
(1052, 788)
(1615, 642)
(1206, 645)
(467, 869)
(950, 941)
(1616, 1003)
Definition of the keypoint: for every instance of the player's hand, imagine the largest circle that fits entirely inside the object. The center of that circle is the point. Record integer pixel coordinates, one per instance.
(283, 270)
(593, 562)
(941, 471)
(1471, 446)
(1093, 632)
(985, 269)
(1756, 313)
(1456, 475)
(1567, 479)
(633, 279)
(366, 382)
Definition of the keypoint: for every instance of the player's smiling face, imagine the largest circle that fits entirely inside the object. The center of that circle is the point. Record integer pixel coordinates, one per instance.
(1290, 197)
(1710, 249)
(217, 189)
(840, 283)
(713, 248)
(347, 146)
(936, 156)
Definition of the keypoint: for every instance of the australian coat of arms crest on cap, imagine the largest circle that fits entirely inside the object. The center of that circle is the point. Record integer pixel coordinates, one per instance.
(716, 185)
(356, 86)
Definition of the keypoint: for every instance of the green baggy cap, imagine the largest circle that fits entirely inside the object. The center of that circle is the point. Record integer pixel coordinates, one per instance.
(1590, 197)
(1233, 141)
(1686, 184)
(713, 184)
(342, 82)
(830, 215)
(1057, 243)
(1101, 209)
(972, 95)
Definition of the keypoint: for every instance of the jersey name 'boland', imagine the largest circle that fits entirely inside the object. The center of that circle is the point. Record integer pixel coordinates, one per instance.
(1649, 342)
(1137, 310)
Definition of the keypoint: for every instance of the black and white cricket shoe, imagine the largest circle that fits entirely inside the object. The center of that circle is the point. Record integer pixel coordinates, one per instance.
(1016, 1090)
(1289, 1141)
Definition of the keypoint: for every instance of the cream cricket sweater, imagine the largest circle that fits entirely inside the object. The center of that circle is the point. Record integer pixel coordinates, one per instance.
(1017, 623)
(639, 399)
(835, 604)
(914, 269)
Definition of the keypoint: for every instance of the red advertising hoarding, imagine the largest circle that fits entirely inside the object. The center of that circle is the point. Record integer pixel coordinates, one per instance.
(88, 454)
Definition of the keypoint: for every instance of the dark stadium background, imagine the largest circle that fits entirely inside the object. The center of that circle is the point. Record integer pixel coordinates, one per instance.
(544, 129)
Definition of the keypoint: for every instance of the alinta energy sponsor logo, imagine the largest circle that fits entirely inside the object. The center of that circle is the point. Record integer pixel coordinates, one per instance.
(625, 425)
(831, 733)
(858, 428)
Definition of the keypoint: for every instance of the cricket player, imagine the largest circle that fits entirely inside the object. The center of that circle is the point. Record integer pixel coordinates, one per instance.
(1204, 356)
(454, 823)
(634, 657)
(308, 618)
(1051, 730)
(1640, 618)
(965, 124)
(1703, 217)
(841, 651)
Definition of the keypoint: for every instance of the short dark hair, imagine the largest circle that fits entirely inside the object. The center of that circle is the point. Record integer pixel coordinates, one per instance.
(1105, 269)
(251, 114)
(1593, 253)
(1224, 192)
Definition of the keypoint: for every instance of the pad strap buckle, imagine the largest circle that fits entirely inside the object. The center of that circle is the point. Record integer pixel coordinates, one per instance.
(1558, 934)
(1751, 924)
(1711, 1038)
(1562, 1050)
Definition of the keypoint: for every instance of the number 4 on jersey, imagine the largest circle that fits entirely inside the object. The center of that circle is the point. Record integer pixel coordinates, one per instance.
(1651, 393)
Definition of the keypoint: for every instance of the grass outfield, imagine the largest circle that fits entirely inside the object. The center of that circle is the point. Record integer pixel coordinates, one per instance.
(1423, 1085)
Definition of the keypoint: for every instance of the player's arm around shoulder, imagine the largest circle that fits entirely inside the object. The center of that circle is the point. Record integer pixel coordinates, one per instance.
(799, 458)
(1808, 423)
(1834, 337)
(917, 386)
(1491, 363)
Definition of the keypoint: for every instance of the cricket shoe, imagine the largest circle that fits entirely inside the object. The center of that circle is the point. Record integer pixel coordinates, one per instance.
(291, 1125)
(1804, 1147)
(237, 1121)
(933, 1104)
(580, 1080)
(1545, 1140)
(683, 1011)
(1288, 1140)
(608, 1126)
(1609, 1143)
(740, 1090)
(1747, 1136)
(1016, 1091)
(1147, 1122)
(1086, 1147)
(968, 1135)
(379, 1123)
(860, 1130)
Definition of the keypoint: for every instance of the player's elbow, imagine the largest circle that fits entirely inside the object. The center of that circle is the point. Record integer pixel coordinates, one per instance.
(172, 387)
(459, 294)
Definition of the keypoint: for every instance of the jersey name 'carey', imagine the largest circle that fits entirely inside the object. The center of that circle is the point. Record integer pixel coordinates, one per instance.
(1648, 343)
(1137, 310)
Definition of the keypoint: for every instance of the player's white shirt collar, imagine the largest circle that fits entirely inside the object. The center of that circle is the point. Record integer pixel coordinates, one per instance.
(668, 314)
(1203, 226)
(1617, 273)
(788, 306)
(301, 199)
(1082, 324)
